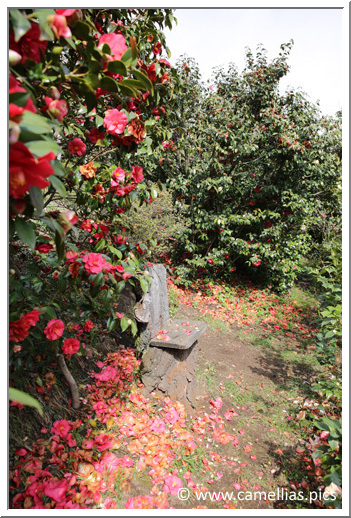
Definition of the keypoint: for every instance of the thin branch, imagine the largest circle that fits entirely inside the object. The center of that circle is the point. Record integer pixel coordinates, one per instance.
(70, 380)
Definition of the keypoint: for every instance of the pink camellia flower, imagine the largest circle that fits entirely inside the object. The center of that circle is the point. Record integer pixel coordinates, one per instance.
(118, 174)
(88, 326)
(67, 12)
(54, 329)
(158, 425)
(94, 263)
(77, 147)
(57, 108)
(172, 416)
(115, 121)
(324, 434)
(100, 407)
(71, 346)
(116, 42)
(61, 428)
(56, 489)
(58, 24)
(172, 484)
(137, 174)
(107, 374)
(217, 403)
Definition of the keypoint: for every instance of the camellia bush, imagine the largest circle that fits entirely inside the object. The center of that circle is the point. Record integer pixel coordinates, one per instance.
(259, 172)
(88, 93)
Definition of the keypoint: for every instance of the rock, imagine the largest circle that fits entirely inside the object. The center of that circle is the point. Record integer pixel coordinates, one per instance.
(172, 373)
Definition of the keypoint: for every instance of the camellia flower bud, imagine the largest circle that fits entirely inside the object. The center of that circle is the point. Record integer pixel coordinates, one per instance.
(53, 92)
(14, 58)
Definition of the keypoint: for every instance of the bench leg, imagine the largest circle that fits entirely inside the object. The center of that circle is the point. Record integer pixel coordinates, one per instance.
(171, 372)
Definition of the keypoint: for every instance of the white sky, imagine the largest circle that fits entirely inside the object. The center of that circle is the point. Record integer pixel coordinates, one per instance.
(219, 36)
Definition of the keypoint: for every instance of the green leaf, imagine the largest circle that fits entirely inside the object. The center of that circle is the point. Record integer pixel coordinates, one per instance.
(50, 311)
(124, 324)
(134, 328)
(60, 246)
(144, 284)
(115, 251)
(45, 30)
(129, 92)
(153, 193)
(58, 168)
(120, 286)
(36, 196)
(90, 100)
(127, 57)
(117, 67)
(43, 147)
(25, 399)
(81, 30)
(58, 185)
(100, 245)
(143, 78)
(108, 84)
(92, 80)
(34, 123)
(19, 98)
(25, 232)
(20, 23)
(133, 83)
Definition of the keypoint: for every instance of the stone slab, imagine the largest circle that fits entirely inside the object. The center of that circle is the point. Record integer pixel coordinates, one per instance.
(178, 334)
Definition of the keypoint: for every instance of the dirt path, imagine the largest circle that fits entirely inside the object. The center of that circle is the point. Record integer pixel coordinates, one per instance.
(260, 389)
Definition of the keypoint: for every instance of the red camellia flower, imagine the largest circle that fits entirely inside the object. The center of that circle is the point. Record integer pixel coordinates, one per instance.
(257, 264)
(137, 174)
(15, 112)
(19, 329)
(44, 248)
(268, 224)
(94, 135)
(29, 46)
(156, 49)
(115, 121)
(54, 329)
(25, 170)
(77, 147)
(71, 346)
(14, 87)
(116, 42)
(94, 263)
(210, 260)
(88, 326)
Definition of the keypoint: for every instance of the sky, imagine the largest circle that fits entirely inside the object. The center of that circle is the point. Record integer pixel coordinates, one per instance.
(219, 36)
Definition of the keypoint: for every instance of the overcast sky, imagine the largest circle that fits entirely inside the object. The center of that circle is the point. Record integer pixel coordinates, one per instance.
(219, 36)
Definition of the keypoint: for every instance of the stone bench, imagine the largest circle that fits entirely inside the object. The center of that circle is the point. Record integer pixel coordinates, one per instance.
(169, 347)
